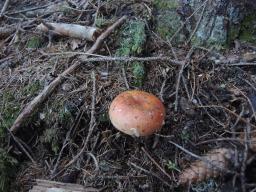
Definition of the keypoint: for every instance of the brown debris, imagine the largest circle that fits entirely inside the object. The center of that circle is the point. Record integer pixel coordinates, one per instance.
(251, 141)
(215, 164)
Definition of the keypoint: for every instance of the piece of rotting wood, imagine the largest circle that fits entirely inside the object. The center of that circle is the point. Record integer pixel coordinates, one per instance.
(53, 186)
(70, 30)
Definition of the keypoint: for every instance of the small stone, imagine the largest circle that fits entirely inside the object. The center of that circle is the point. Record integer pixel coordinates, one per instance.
(66, 87)
(42, 116)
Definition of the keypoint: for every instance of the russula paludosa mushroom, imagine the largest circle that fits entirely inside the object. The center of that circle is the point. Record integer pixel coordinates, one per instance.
(137, 113)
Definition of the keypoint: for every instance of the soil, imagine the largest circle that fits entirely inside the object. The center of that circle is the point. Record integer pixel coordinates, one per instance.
(215, 104)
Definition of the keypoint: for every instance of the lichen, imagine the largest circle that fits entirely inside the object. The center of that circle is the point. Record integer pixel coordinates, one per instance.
(211, 33)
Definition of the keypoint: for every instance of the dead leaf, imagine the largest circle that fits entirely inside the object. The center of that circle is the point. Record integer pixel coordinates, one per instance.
(75, 43)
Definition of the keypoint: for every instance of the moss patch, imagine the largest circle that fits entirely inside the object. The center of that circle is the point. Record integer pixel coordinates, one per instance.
(167, 23)
(35, 42)
(138, 71)
(248, 29)
(101, 21)
(7, 170)
(132, 39)
(165, 4)
(9, 111)
(131, 43)
(31, 89)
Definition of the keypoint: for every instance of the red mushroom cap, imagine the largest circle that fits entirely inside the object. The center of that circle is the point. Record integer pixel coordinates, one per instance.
(137, 113)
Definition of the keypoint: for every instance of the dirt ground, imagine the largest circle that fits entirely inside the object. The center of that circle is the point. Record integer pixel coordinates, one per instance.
(210, 104)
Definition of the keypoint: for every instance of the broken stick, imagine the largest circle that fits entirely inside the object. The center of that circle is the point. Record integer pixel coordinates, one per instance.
(4, 7)
(70, 30)
(33, 105)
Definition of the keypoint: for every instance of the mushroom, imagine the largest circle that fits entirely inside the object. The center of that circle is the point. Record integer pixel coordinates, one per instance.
(137, 113)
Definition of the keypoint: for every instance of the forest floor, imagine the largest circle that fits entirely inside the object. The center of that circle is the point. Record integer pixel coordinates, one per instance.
(210, 100)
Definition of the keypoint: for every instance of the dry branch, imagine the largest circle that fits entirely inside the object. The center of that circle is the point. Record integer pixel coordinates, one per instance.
(4, 7)
(70, 30)
(35, 103)
(102, 58)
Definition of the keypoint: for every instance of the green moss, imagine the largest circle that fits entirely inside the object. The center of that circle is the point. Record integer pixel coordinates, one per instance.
(65, 9)
(57, 119)
(31, 89)
(233, 33)
(166, 4)
(138, 71)
(248, 29)
(10, 110)
(102, 22)
(103, 118)
(132, 38)
(34, 42)
(64, 115)
(50, 136)
(167, 23)
(8, 167)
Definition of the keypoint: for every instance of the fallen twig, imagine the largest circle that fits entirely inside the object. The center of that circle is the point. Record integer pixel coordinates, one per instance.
(229, 111)
(102, 58)
(154, 161)
(197, 24)
(22, 147)
(91, 127)
(33, 105)
(187, 19)
(238, 64)
(6, 31)
(183, 66)
(247, 131)
(70, 30)
(68, 138)
(150, 173)
(92, 122)
(4, 7)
